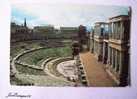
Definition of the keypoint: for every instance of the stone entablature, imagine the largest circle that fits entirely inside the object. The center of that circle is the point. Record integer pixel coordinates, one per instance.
(118, 47)
(119, 18)
(98, 37)
(106, 40)
(98, 40)
(117, 41)
(118, 44)
(100, 23)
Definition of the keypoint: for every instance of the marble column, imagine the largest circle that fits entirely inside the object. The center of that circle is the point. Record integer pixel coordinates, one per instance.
(113, 63)
(120, 63)
(117, 30)
(110, 30)
(103, 55)
(112, 59)
(116, 64)
(122, 31)
(113, 31)
(108, 59)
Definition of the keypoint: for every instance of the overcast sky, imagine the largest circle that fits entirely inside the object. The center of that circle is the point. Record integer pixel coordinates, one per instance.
(64, 14)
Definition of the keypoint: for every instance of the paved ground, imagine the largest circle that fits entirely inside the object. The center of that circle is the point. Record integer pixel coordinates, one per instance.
(96, 75)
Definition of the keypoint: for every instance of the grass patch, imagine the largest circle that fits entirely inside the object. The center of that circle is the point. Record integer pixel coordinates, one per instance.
(33, 58)
(16, 81)
(29, 70)
(19, 47)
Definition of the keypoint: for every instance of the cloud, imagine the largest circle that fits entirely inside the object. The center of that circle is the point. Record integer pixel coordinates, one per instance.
(65, 14)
